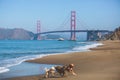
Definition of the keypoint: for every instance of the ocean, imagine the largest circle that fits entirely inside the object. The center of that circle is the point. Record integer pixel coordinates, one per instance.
(15, 52)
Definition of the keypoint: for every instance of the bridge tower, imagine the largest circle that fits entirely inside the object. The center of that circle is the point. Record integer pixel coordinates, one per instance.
(73, 25)
(38, 29)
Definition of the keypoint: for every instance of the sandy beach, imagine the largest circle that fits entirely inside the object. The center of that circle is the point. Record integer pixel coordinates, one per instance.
(102, 63)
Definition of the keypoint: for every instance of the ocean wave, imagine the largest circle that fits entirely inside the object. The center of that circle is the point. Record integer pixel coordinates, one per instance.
(87, 47)
(3, 69)
(5, 64)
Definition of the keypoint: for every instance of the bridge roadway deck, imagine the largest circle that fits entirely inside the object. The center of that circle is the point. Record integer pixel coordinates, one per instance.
(73, 31)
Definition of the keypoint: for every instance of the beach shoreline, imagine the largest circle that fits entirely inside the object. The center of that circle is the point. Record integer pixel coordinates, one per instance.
(102, 63)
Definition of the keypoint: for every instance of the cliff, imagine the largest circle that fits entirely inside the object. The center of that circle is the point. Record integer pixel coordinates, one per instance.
(15, 34)
(115, 35)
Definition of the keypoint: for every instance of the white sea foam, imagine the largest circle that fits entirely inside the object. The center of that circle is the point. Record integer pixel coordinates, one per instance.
(4, 65)
(3, 69)
(86, 47)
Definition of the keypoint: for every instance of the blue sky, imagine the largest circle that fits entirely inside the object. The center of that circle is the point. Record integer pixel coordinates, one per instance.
(91, 14)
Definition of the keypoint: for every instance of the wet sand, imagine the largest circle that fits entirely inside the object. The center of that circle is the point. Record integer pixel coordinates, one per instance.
(102, 63)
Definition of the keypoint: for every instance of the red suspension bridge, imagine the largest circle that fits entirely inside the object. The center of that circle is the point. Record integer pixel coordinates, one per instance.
(91, 34)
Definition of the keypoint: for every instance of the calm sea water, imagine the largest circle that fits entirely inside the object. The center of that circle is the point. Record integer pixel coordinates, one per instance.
(14, 52)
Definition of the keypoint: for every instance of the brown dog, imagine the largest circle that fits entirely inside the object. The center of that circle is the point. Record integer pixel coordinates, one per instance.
(50, 72)
(69, 68)
(62, 69)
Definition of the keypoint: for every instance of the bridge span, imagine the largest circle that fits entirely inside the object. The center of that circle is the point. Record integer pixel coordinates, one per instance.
(91, 34)
(73, 31)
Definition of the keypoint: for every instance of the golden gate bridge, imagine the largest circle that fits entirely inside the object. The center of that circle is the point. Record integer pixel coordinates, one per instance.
(91, 34)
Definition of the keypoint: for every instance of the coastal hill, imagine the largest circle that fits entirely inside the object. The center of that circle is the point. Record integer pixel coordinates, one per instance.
(21, 34)
(115, 35)
(15, 34)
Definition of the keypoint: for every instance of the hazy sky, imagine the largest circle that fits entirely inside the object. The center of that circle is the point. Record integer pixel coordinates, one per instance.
(91, 14)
